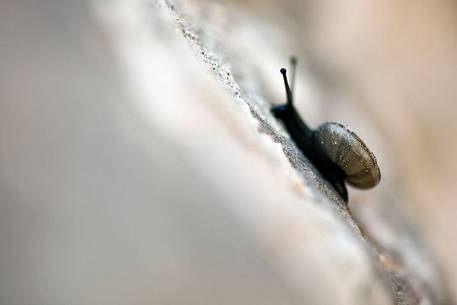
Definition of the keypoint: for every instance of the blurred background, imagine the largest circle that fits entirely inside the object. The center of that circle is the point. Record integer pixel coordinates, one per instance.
(121, 155)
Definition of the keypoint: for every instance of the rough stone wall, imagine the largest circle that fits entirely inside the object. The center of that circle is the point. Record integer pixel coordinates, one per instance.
(140, 164)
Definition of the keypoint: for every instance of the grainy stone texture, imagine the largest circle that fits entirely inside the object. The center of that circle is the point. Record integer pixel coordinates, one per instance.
(140, 164)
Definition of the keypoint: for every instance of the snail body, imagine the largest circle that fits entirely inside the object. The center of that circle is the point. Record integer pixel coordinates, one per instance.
(336, 152)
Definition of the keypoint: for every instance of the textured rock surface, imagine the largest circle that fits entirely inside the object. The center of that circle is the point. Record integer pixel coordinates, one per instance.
(140, 164)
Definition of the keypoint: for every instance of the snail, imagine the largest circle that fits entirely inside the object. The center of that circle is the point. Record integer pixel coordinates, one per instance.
(336, 152)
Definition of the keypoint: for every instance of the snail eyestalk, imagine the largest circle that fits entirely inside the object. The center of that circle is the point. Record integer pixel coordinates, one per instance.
(286, 85)
(293, 64)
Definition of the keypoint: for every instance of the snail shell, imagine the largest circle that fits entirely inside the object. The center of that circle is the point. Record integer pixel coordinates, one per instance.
(337, 144)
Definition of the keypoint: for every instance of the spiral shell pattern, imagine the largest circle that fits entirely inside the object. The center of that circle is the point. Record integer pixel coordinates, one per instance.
(337, 144)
